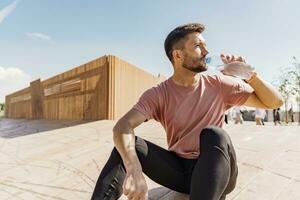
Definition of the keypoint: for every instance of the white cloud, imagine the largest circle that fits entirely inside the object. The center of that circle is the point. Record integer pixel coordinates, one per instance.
(7, 10)
(11, 80)
(38, 35)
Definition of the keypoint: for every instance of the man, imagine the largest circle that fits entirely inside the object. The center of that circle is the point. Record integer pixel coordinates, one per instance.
(276, 116)
(291, 114)
(238, 117)
(200, 159)
(259, 116)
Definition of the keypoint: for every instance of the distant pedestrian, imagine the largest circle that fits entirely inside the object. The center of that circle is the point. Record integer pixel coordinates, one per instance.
(237, 115)
(291, 114)
(259, 116)
(276, 116)
(226, 116)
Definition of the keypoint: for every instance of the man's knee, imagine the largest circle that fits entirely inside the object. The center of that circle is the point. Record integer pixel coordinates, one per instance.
(214, 136)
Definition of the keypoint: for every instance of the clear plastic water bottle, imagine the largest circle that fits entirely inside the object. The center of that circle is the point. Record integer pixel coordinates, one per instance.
(214, 63)
(237, 69)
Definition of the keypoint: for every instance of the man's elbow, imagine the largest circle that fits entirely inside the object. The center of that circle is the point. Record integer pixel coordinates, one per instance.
(118, 125)
(115, 128)
(121, 127)
(116, 133)
(277, 104)
(280, 102)
(120, 130)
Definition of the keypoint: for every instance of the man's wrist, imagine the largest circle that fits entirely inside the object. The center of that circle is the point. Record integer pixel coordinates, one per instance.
(252, 78)
(133, 167)
(132, 163)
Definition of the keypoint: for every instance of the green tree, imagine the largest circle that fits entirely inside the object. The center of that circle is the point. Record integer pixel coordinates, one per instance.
(286, 91)
(285, 87)
(288, 84)
(295, 79)
(2, 106)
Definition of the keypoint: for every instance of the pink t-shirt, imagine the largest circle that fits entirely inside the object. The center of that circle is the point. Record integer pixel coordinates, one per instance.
(185, 111)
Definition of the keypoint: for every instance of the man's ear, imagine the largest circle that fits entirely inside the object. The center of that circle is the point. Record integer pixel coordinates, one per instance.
(177, 54)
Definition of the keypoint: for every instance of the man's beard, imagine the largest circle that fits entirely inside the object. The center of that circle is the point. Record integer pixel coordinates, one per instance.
(194, 64)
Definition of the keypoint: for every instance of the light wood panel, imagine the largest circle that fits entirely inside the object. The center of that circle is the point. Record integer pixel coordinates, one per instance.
(104, 88)
(37, 96)
(129, 82)
(18, 104)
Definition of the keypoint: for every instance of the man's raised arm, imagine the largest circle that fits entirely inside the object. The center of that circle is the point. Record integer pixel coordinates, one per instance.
(264, 96)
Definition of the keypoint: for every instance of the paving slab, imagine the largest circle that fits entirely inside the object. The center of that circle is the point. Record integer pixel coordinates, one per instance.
(65, 163)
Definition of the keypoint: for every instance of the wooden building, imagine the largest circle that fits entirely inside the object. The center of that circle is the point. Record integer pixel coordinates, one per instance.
(105, 88)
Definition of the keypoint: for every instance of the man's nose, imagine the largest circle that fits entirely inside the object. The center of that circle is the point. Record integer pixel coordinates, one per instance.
(205, 51)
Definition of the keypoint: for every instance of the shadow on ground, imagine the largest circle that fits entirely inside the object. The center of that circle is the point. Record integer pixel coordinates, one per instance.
(11, 128)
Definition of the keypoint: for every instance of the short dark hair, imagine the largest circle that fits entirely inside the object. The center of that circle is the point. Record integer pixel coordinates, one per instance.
(178, 34)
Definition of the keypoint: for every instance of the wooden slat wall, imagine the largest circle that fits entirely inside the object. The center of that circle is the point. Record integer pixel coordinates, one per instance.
(96, 103)
(79, 93)
(37, 96)
(105, 88)
(18, 104)
(129, 82)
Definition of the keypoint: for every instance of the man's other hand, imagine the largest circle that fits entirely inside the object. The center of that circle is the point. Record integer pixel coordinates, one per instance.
(135, 186)
(232, 58)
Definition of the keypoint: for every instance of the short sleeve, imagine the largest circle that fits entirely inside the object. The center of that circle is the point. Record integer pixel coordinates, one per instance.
(148, 104)
(235, 92)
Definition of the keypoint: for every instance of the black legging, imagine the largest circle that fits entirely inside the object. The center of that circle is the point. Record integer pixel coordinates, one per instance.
(210, 177)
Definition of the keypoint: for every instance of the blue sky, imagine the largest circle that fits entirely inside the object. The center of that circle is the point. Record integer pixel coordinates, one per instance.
(39, 39)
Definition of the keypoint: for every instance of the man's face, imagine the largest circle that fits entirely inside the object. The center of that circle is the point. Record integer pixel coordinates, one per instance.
(194, 53)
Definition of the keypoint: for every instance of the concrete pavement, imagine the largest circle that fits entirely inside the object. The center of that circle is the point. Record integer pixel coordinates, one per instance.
(65, 163)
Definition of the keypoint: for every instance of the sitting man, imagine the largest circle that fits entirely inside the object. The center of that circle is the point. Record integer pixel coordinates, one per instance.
(200, 160)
